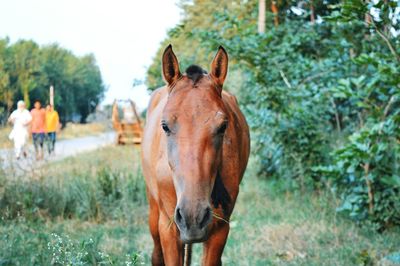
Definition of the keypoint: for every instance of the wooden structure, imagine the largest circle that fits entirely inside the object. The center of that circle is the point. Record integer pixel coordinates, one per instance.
(129, 128)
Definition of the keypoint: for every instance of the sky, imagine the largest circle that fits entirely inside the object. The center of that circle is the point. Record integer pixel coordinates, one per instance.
(124, 35)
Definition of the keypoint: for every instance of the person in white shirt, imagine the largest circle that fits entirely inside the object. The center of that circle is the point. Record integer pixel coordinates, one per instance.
(21, 119)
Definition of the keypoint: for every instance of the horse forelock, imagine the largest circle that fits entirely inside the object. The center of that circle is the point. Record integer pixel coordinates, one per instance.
(195, 73)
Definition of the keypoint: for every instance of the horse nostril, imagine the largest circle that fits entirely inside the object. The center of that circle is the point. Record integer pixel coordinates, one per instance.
(178, 216)
(206, 218)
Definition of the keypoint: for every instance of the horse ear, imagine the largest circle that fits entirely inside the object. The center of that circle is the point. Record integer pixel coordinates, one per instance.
(219, 67)
(170, 66)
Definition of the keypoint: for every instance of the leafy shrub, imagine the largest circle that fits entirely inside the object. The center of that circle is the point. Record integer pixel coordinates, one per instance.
(366, 175)
(365, 170)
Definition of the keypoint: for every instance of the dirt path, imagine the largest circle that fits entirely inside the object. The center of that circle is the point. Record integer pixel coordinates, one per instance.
(64, 148)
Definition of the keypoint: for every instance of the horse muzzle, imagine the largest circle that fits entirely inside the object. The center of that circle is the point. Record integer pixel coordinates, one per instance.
(193, 222)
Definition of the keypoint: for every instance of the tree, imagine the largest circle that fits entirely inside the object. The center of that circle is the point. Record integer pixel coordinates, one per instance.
(25, 68)
(89, 88)
(5, 93)
(27, 71)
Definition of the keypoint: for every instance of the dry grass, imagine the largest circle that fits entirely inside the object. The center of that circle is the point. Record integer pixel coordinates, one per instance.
(73, 130)
(5, 142)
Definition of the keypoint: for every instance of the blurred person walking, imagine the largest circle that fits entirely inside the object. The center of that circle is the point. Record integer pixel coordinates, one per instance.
(38, 128)
(20, 119)
(52, 125)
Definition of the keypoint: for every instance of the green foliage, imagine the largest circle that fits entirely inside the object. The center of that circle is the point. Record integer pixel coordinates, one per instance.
(365, 170)
(365, 173)
(27, 71)
(194, 51)
(322, 99)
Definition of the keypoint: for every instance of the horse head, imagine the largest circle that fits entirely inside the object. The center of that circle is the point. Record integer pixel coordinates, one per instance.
(194, 122)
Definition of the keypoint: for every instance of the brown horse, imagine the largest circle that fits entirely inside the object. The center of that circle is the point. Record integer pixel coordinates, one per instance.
(195, 149)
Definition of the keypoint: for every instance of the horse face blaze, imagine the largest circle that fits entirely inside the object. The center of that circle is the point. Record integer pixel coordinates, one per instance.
(194, 140)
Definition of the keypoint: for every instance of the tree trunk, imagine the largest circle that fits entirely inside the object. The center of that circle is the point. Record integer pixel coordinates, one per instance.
(275, 11)
(312, 12)
(370, 191)
(261, 16)
(26, 97)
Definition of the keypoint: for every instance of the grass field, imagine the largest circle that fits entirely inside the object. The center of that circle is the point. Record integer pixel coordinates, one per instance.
(70, 131)
(91, 210)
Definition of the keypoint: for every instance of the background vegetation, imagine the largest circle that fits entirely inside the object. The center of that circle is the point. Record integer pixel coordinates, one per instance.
(27, 70)
(320, 89)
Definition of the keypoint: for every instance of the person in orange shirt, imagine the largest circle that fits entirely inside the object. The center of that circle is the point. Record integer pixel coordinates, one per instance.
(52, 125)
(38, 128)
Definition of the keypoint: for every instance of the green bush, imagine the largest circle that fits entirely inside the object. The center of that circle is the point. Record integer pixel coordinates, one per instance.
(366, 175)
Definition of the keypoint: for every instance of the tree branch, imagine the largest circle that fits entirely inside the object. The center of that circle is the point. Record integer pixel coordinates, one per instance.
(383, 36)
(285, 79)
(388, 106)
(370, 191)
(315, 76)
(339, 129)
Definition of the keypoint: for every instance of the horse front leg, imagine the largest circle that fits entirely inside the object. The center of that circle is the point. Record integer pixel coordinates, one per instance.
(214, 246)
(172, 246)
(154, 216)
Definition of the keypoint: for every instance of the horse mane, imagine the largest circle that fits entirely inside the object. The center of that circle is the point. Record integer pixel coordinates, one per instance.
(195, 72)
(220, 196)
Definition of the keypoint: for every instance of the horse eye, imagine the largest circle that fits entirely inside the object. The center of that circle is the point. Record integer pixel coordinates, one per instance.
(222, 128)
(165, 128)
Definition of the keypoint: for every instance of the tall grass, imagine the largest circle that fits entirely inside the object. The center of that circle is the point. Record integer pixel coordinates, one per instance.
(91, 188)
(100, 195)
